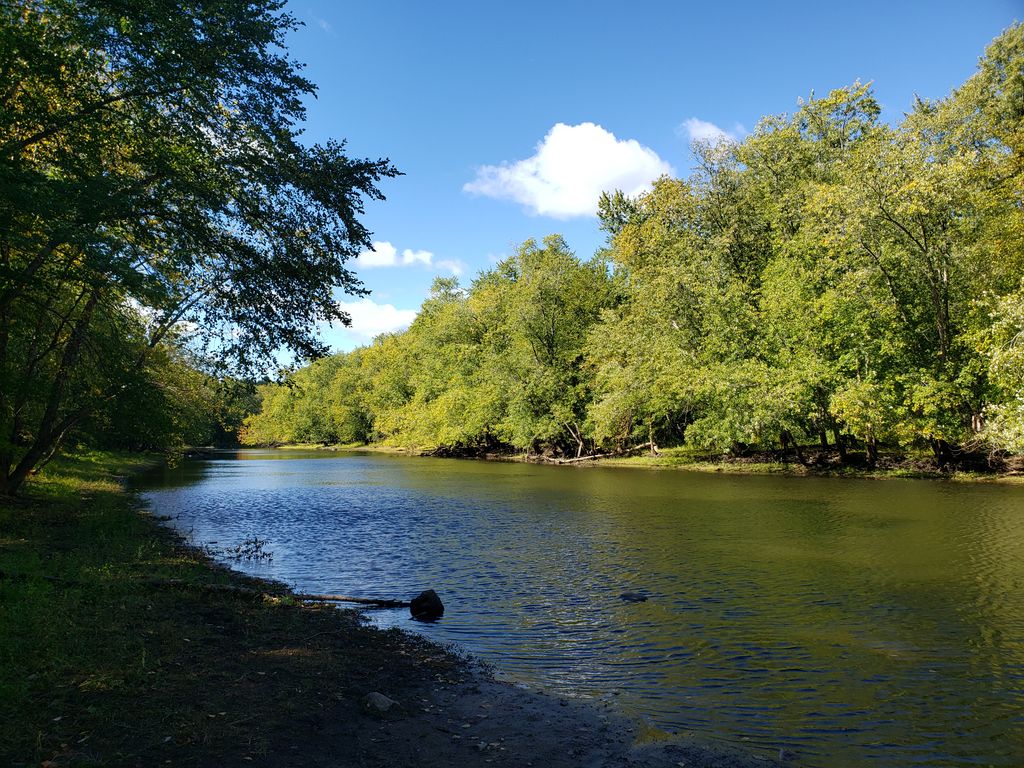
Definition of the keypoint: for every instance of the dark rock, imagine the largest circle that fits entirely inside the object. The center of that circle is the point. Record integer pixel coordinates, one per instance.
(426, 606)
(633, 597)
(378, 704)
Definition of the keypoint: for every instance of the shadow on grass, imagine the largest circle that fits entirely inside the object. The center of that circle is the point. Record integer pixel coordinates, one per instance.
(103, 662)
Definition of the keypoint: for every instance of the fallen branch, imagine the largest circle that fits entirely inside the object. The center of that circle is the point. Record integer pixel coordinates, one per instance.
(253, 593)
(347, 599)
(596, 456)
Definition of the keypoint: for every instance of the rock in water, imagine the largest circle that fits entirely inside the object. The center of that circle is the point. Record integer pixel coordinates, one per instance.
(378, 704)
(426, 606)
(633, 597)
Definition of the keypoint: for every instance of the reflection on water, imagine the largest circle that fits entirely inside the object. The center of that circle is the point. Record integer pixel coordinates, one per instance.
(852, 622)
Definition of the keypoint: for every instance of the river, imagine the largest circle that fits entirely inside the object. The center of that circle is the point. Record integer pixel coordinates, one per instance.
(850, 622)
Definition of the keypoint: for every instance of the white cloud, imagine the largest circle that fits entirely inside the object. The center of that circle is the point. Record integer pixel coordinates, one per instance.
(573, 165)
(323, 24)
(370, 319)
(381, 254)
(454, 266)
(410, 256)
(384, 254)
(705, 132)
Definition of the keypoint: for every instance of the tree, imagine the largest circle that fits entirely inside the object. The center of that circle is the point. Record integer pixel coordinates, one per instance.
(930, 213)
(424, 378)
(1005, 342)
(546, 301)
(829, 276)
(153, 176)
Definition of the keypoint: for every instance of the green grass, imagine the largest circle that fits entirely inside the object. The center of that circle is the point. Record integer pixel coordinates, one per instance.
(103, 662)
(72, 553)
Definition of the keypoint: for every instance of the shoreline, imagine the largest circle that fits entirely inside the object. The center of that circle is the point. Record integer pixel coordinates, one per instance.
(674, 459)
(134, 648)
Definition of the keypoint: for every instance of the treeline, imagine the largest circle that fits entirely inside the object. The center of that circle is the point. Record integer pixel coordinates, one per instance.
(830, 279)
(169, 405)
(142, 397)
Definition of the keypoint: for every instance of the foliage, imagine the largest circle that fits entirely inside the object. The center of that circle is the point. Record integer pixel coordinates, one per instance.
(154, 183)
(829, 279)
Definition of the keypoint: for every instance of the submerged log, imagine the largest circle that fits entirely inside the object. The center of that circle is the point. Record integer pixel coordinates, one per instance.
(633, 597)
(379, 603)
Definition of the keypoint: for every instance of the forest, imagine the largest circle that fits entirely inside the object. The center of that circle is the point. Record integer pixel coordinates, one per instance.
(829, 281)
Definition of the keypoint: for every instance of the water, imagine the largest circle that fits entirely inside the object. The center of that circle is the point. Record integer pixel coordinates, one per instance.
(851, 622)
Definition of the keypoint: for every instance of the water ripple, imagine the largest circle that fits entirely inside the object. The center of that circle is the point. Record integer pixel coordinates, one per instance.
(850, 622)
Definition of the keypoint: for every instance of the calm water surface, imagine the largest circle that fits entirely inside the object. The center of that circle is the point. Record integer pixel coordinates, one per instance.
(852, 622)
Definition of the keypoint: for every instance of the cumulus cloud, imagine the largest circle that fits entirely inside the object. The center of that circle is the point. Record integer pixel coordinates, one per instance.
(410, 256)
(572, 166)
(381, 254)
(705, 132)
(384, 254)
(454, 266)
(370, 319)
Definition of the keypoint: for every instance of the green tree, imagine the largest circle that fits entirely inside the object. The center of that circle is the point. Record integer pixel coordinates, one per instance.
(154, 176)
(930, 213)
(828, 278)
(1004, 343)
(546, 301)
(169, 404)
(274, 422)
(350, 413)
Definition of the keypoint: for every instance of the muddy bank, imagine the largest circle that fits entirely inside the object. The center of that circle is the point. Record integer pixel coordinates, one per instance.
(482, 722)
(305, 676)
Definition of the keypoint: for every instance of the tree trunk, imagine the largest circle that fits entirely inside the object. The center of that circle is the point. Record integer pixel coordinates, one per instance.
(787, 441)
(51, 430)
(840, 443)
(871, 445)
(977, 422)
(943, 452)
(574, 431)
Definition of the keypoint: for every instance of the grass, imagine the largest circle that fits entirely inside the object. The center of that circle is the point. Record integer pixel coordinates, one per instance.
(102, 662)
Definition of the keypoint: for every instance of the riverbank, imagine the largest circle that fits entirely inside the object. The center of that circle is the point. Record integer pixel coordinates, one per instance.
(890, 466)
(115, 650)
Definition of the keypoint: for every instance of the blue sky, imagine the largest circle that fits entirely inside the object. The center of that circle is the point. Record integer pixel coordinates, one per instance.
(507, 119)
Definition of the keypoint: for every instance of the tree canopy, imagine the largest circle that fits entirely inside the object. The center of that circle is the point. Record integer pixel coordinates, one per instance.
(828, 279)
(155, 188)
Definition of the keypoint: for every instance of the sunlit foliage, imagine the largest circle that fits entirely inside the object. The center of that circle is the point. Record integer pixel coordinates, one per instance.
(829, 280)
